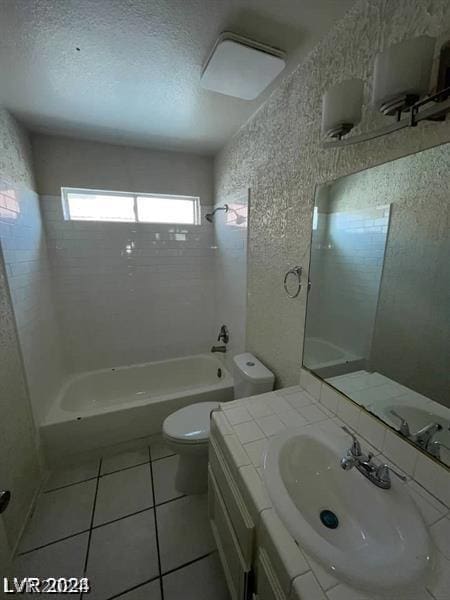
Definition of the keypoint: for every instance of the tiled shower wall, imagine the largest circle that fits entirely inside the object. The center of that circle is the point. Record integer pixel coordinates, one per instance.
(345, 273)
(20, 470)
(231, 229)
(28, 271)
(130, 293)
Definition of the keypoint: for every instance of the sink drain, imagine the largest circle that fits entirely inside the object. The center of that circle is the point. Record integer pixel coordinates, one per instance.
(329, 519)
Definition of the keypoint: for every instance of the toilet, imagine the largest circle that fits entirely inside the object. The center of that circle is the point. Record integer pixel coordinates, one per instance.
(186, 431)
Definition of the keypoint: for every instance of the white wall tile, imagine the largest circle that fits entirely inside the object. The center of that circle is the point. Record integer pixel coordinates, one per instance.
(22, 238)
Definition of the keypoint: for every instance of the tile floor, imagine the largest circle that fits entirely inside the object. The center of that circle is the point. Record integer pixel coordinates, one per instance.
(120, 522)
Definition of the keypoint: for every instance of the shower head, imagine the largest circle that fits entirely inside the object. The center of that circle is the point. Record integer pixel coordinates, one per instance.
(210, 216)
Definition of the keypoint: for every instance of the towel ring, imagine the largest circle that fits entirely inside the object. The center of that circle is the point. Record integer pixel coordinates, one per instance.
(297, 271)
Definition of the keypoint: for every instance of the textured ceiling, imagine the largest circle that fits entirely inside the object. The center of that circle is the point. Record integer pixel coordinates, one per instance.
(128, 71)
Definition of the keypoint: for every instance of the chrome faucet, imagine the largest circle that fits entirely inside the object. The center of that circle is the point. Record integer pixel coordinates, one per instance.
(434, 448)
(424, 437)
(379, 474)
(224, 335)
(222, 349)
(404, 427)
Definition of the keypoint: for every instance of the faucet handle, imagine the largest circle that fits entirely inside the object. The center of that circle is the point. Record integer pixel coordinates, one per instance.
(384, 471)
(355, 449)
(404, 427)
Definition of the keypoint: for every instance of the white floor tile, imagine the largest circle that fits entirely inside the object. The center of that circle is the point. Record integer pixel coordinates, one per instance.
(158, 449)
(203, 580)
(149, 591)
(122, 493)
(59, 514)
(63, 559)
(164, 471)
(124, 460)
(74, 474)
(184, 531)
(122, 555)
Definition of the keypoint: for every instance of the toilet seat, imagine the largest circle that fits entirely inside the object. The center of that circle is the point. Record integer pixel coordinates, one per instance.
(190, 425)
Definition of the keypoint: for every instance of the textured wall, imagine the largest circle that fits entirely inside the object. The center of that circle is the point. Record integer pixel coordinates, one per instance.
(278, 154)
(19, 465)
(67, 162)
(411, 342)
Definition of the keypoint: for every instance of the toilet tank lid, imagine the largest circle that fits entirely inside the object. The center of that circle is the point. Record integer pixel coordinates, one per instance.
(252, 369)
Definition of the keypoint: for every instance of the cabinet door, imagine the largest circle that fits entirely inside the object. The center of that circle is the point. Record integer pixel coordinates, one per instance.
(237, 571)
(267, 585)
(240, 518)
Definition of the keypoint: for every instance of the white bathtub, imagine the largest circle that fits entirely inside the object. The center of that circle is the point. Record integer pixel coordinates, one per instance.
(106, 407)
(320, 353)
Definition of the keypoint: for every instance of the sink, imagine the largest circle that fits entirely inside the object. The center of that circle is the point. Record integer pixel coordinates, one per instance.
(371, 538)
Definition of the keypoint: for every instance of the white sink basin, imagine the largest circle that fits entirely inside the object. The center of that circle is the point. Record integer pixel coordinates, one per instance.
(380, 543)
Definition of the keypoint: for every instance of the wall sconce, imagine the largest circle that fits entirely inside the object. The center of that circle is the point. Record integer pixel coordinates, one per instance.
(341, 108)
(402, 75)
(401, 80)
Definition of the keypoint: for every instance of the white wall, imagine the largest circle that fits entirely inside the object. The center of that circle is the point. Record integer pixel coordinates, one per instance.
(231, 231)
(61, 161)
(19, 458)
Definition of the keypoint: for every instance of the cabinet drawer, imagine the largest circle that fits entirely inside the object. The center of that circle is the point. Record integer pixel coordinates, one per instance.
(241, 520)
(236, 569)
(267, 584)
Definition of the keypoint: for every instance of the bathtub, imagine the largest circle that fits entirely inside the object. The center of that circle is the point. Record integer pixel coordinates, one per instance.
(102, 408)
(319, 353)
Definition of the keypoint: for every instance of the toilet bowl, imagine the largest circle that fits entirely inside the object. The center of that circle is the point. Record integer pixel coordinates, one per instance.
(186, 431)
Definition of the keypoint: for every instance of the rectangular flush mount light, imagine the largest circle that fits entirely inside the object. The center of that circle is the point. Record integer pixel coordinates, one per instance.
(240, 67)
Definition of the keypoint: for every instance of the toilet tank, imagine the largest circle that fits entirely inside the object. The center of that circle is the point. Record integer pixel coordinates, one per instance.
(251, 377)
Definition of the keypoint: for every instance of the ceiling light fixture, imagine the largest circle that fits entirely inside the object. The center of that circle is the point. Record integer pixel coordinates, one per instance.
(401, 83)
(240, 67)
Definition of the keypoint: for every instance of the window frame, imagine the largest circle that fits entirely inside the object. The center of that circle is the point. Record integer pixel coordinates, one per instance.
(65, 191)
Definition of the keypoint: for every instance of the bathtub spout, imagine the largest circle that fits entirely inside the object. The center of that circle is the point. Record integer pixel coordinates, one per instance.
(222, 349)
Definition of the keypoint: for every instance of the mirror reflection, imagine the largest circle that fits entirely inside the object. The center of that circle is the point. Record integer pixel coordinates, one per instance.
(378, 314)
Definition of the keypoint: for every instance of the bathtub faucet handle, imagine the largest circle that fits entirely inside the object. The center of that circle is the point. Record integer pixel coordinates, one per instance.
(224, 335)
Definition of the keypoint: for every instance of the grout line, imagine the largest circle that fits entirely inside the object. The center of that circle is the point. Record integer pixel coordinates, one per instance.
(63, 487)
(124, 468)
(162, 457)
(135, 587)
(156, 527)
(136, 512)
(191, 562)
(67, 537)
(92, 518)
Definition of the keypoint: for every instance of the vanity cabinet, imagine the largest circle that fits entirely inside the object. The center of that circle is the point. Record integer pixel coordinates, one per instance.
(259, 564)
(232, 526)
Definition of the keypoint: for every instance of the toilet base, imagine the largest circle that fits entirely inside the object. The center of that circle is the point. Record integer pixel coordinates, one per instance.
(192, 474)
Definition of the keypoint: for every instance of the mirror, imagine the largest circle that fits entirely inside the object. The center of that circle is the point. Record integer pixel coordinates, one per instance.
(378, 312)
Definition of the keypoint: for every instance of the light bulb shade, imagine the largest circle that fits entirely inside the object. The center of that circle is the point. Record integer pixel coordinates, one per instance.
(341, 107)
(402, 71)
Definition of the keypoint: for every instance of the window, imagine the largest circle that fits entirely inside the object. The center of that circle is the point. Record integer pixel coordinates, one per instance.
(125, 207)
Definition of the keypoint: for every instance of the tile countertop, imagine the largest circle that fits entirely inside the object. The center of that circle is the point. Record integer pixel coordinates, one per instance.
(244, 428)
